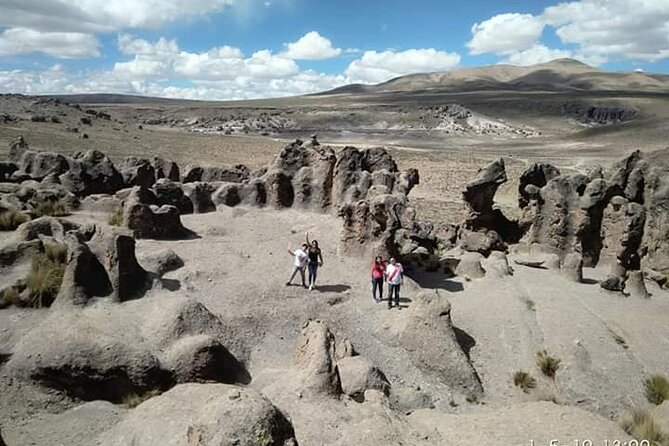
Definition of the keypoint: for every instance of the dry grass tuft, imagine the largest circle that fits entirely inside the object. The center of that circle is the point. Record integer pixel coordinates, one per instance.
(10, 220)
(115, 218)
(524, 380)
(657, 389)
(548, 364)
(134, 399)
(46, 275)
(641, 425)
(52, 209)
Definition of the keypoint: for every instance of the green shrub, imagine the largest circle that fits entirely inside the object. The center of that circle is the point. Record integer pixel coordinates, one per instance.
(115, 218)
(641, 425)
(657, 389)
(10, 220)
(52, 209)
(524, 380)
(44, 280)
(548, 364)
(134, 399)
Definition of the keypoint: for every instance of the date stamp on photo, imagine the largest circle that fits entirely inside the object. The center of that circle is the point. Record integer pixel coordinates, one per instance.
(577, 442)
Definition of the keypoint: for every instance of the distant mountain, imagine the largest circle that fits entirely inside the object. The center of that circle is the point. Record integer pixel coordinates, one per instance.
(108, 98)
(555, 76)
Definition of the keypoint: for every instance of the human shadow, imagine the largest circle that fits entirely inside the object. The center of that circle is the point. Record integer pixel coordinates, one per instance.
(435, 280)
(333, 288)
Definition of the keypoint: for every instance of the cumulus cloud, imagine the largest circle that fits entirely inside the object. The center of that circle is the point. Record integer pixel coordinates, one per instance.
(536, 54)
(600, 29)
(101, 16)
(375, 67)
(636, 29)
(505, 34)
(311, 46)
(15, 41)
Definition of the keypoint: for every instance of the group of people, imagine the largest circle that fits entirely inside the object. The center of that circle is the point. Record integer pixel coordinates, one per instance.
(309, 257)
(392, 273)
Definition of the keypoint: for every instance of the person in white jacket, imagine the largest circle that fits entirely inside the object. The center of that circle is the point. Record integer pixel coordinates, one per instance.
(300, 264)
(395, 278)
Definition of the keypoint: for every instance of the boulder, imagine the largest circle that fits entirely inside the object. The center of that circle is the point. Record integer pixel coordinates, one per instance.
(357, 374)
(536, 176)
(138, 172)
(17, 148)
(202, 358)
(161, 262)
(103, 203)
(235, 174)
(205, 415)
(170, 193)
(110, 351)
(226, 195)
(496, 265)
(40, 164)
(470, 266)
(150, 221)
(7, 168)
(279, 189)
(482, 216)
(115, 250)
(429, 339)
(84, 277)
(636, 286)
(613, 283)
(192, 174)
(166, 169)
(315, 358)
(572, 267)
(200, 196)
(45, 226)
(19, 251)
(92, 173)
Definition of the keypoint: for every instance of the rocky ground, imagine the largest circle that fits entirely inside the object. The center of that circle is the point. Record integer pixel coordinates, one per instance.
(172, 323)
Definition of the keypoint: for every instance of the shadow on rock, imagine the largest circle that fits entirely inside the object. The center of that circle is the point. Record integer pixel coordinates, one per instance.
(436, 281)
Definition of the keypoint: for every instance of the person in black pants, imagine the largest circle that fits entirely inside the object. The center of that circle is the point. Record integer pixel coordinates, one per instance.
(315, 261)
(394, 276)
(378, 273)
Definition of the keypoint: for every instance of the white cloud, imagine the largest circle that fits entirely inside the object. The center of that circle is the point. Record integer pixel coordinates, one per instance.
(505, 33)
(164, 59)
(536, 54)
(15, 41)
(102, 16)
(636, 29)
(601, 30)
(375, 67)
(311, 46)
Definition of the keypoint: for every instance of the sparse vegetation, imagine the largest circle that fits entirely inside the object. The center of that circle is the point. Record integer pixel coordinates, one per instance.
(620, 341)
(115, 218)
(9, 296)
(657, 389)
(46, 275)
(10, 220)
(548, 364)
(641, 425)
(524, 380)
(134, 399)
(52, 209)
(529, 303)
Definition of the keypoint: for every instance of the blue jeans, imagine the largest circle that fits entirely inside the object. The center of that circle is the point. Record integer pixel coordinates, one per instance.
(377, 283)
(313, 272)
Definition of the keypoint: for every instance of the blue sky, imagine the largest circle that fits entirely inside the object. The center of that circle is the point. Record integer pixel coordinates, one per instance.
(230, 49)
